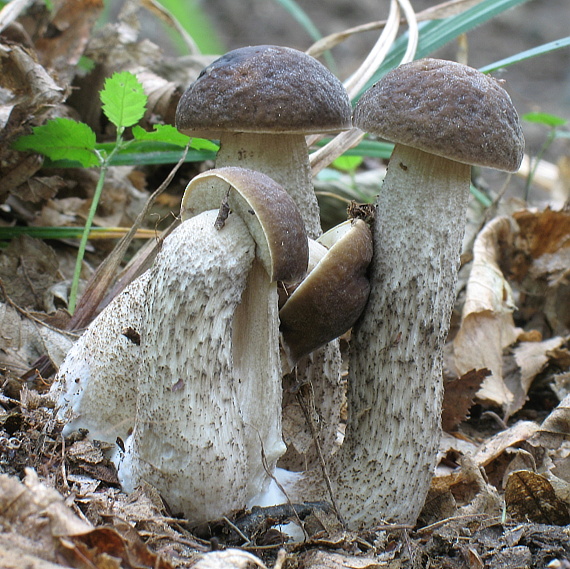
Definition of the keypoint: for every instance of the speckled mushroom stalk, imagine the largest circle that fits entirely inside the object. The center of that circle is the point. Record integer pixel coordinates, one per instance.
(261, 102)
(443, 117)
(95, 388)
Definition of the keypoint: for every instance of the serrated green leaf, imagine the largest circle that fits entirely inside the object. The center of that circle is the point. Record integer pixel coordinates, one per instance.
(544, 118)
(161, 133)
(61, 139)
(123, 99)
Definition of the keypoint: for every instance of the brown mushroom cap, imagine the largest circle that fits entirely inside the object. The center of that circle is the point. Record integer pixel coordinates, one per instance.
(445, 108)
(264, 89)
(330, 300)
(266, 208)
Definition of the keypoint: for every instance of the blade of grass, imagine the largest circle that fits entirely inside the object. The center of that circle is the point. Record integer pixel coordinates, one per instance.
(435, 34)
(528, 54)
(7, 233)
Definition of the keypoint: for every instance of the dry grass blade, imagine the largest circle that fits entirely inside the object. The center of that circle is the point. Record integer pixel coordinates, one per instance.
(377, 54)
(413, 31)
(349, 139)
(443, 10)
(105, 273)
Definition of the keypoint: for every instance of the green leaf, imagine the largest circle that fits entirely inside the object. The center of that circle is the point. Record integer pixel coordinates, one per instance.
(347, 163)
(161, 133)
(544, 118)
(62, 139)
(123, 99)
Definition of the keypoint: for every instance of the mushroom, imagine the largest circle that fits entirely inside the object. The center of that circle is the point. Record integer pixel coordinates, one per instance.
(331, 298)
(95, 387)
(260, 102)
(443, 117)
(208, 425)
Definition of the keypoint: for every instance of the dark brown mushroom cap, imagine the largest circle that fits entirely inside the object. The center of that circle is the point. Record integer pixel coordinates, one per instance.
(266, 208)
(332, 297)
(445, 108)
(264, 89)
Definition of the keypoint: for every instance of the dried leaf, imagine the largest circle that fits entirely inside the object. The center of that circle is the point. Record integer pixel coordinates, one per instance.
(492, 448)
(458, 397)
(316, 559)
(71, 27)
(530, 496)
(528, 359)
(555, 428)
(107, 548)
(487, 325)
(31, 514)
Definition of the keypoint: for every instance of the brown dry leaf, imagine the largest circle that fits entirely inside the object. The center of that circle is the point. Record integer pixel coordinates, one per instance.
(24, 340)
(28, 268)
(555, 429)
(69, 31)
(33, 516)
(106, 548)
(27, 90)
(493, 447)
(530, 496)
(487, 325)
(528, 359)
(458, 397)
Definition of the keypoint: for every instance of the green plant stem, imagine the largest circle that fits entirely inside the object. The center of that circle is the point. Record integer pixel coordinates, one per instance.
(88, 223)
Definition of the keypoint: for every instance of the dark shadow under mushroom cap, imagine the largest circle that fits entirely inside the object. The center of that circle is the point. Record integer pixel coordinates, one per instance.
(264, 89)
(445, 108)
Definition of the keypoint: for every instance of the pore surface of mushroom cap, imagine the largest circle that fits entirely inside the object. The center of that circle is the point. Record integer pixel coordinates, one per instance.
(445, 108)
(264, 89)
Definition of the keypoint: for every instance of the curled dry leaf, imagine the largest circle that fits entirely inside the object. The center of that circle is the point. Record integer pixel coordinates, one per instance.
(487, 325)
(555, 429)
(493, 447)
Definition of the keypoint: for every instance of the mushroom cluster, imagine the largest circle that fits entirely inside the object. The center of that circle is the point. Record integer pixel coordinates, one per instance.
(185, 365)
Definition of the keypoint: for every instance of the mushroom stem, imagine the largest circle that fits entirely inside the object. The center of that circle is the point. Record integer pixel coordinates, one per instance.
(284, 158)
(192, 437)
(395, 372)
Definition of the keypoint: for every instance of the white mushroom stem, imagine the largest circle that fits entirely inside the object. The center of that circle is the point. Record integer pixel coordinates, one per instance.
(283, 157)
(395, 371)
(207, 395)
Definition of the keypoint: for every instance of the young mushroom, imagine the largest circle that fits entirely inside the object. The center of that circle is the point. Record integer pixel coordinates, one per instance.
(443, 117)
(209, 383)
(261, 102)
(331, 298)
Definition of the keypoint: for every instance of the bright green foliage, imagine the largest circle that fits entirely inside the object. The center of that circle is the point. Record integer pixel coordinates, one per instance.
(161, 133)
(62, 139)
(544, 118)
(123, 100)
(347, 163)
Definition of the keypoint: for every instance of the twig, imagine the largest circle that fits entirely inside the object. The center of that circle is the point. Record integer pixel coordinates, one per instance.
(311, 424)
